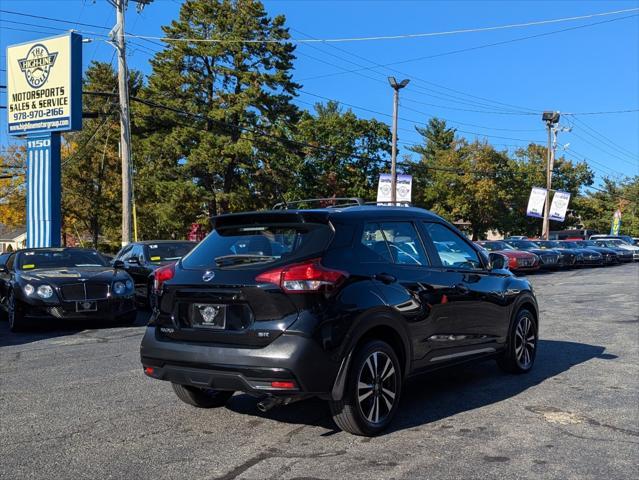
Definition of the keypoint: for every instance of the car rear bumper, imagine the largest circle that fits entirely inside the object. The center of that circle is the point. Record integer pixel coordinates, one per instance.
(251, 370)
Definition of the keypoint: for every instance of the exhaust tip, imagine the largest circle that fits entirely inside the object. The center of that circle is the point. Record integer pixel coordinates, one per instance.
(268, 403)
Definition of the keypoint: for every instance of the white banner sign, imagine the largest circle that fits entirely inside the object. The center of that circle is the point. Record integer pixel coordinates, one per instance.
(404, 188)
(559, 206)
(536, 202)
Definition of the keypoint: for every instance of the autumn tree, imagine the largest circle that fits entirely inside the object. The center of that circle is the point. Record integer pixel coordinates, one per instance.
(13, 168)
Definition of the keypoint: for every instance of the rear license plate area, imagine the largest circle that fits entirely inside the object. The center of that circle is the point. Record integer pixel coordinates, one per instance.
(86, 306)
(210, 316)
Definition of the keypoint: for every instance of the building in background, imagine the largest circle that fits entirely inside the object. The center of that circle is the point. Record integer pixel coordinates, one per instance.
(12, 238)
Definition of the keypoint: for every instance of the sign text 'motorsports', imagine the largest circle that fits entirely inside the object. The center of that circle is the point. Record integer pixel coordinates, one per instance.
(44, 85)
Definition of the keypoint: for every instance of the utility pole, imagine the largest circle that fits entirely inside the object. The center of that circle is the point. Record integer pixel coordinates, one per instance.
(117, 40)
(551, 119)
(125, 122)
(396, 87)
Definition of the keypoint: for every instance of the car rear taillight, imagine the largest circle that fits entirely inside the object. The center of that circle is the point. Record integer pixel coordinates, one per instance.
(163, 274)
(309, 276)
(283, 385)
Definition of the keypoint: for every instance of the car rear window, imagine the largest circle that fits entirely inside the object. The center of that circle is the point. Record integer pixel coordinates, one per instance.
(255, 245)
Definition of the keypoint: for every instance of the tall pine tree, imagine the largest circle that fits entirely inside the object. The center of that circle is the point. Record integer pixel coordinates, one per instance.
(227, 68)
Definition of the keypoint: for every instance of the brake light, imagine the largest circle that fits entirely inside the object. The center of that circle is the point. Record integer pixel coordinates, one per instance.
(163, 274)
(284, 385)
(309, 276)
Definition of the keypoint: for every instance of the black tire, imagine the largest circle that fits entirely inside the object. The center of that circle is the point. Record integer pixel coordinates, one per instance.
(15, 314)
(521, 350)
(201, 397)
(356, 413)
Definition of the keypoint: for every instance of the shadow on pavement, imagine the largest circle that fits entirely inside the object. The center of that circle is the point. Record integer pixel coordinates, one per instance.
(445, 393)
(53, 328)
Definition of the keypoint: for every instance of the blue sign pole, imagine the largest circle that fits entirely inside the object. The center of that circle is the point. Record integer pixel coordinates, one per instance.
(43, 190)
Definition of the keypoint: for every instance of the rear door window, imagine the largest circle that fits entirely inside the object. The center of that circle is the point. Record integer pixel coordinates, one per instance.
(392, 242)
(373, 247)
(452, 250)
(404, 243)
(237, 246)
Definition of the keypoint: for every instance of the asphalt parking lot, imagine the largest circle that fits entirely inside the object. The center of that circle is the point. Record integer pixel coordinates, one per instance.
(75, 404)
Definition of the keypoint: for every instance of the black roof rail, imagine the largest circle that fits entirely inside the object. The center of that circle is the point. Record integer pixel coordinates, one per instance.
(344, 202)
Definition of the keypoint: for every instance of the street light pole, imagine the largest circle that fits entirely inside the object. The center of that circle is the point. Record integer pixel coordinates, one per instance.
(396, 87)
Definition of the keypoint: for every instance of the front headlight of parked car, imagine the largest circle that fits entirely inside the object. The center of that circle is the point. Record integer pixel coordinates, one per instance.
(122, 287)
(28, 289)
(119, 288)
(45, 291)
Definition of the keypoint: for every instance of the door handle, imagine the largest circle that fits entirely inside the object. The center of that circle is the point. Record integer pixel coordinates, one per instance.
(385, 278)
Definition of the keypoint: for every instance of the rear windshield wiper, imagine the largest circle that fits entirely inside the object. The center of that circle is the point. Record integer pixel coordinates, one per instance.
(243, 258)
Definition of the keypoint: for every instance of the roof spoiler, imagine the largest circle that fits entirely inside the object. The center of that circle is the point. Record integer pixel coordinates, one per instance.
(270, 217)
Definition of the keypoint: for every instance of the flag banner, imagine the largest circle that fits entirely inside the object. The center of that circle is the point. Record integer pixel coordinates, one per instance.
(615, 228)
(403, 188)
(536, 202)
(559, 206)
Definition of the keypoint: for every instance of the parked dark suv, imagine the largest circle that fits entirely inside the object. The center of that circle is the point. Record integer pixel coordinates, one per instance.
(340, 303)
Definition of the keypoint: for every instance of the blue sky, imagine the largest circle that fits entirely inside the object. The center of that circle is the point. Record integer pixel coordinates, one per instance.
(590, 69)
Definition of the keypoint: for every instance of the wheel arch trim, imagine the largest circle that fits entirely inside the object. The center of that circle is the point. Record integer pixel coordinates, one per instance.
(364, 327)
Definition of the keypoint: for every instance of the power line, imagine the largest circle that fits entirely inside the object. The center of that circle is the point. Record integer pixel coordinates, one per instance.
(609, 112)
(284, 140)
(477, 47)
(414, 121)
(391, 37)
(610, 142)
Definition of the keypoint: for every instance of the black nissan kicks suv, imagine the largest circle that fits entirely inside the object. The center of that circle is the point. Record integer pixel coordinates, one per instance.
(341, 303)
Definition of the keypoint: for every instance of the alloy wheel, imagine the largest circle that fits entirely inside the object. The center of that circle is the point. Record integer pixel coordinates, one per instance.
(377, 387)
(525, 342)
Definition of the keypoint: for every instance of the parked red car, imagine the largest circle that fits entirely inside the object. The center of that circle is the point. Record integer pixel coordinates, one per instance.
(518, 260)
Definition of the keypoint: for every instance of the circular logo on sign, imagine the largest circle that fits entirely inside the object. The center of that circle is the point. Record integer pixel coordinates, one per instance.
(37, 65)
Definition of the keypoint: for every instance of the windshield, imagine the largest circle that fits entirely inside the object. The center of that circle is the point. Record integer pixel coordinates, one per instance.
(59, 258)
(167, 252)
(232, 246)
(523, 244)
(493, 246)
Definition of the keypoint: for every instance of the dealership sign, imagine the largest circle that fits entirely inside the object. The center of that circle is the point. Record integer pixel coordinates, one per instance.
(44, 85)
(559, 206)
(536, 202)
(44, 98)
(403, 188)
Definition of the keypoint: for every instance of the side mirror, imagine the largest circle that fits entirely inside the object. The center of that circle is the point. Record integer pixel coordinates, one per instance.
(134, 261)
(4, 269)
(118, 264)
(498, 261)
